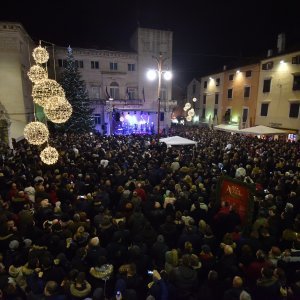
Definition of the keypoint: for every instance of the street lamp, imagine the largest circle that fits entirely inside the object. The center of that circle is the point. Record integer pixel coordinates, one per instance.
(152, 74)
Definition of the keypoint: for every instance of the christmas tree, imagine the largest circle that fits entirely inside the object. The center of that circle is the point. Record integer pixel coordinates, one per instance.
(82, 117)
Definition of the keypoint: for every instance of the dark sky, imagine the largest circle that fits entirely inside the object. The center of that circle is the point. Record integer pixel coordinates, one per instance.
(207, 34)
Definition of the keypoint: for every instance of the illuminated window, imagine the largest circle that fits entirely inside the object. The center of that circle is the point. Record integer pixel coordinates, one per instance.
(114, 90)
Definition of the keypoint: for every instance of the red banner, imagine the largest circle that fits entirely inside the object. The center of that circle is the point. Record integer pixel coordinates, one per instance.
(236, 194)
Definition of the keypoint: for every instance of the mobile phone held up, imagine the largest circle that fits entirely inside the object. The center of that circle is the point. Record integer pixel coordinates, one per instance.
(150, 272)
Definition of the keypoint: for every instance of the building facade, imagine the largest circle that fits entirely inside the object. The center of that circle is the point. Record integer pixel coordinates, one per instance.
(16, 107)
(124, 101)
(278, 101)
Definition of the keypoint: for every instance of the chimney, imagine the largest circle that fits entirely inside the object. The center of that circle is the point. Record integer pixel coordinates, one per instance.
(270, 53)
(281, 42)
(224, 68)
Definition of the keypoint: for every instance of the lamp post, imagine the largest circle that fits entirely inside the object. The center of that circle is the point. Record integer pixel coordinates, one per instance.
(151, 74)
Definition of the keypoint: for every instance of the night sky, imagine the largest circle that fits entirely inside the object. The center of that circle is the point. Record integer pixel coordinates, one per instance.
(207, 34)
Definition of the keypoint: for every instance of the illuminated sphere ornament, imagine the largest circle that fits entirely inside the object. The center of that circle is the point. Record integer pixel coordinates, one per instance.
(36, 133)
(188, 105)
(37, 73)
(194, 99)
(58, 109)
(191, 112)
(49, 155)
(40, 55)
(46, 89)
(185, 108)
(189, 118)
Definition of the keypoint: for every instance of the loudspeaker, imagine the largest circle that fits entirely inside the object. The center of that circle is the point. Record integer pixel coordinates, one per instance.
(162, 116)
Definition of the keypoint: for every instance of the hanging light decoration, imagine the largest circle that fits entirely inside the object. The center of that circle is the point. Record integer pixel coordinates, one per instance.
(58, 109)
(40, 55)
(194, 99)
(188, 105)
(36, 133)
(191, 112)
(46, 89)
(49, 155)
(189, 118)
(37, 73)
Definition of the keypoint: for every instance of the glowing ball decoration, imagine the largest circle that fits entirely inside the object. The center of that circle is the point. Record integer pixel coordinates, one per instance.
(36, 133)
(189, 118)
(191, 112)
(49, 155)
(40, 55)
(37, 73)
(46, 89)
(58, 109)
(188, 105)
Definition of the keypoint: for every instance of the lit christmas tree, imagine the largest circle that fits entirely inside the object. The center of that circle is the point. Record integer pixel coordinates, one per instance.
(82, 117)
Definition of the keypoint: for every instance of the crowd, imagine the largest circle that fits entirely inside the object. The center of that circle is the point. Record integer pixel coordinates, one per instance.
(126, 217)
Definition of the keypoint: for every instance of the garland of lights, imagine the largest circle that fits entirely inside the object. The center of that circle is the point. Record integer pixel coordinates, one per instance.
(36, 133)
(51, 96)
(46, 89)
(37, 73)
(40, 55)
(58, 109)
(49, 155)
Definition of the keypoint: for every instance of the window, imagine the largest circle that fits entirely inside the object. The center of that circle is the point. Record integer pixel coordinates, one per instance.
(296, 82)
(131, 92)
(215, 112)
(267, 86)
(248, 73)
(245, 115)
(194, 89)
(114, 90)
(97, 119)
(264, 109)
(62, 63)
(203, 112)
(296, 60)
(246, 91)
(205, 84)
(294, 110)
(217, 98)
(79, 64)
(131, 67)
(229, 93)
(267, 66)
(113, 66)
(95, 64)
(95, 92)
(217, 81)
(204, 99)
(230, 77)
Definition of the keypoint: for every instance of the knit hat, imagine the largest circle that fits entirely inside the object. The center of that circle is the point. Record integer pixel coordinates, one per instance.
(13, 245)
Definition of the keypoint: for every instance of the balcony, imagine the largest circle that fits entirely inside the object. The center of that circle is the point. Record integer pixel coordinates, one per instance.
(119, 102)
